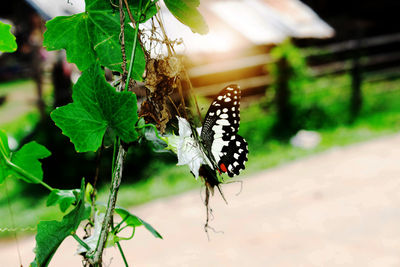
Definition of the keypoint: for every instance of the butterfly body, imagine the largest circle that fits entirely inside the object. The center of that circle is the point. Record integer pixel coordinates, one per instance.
(226, 149)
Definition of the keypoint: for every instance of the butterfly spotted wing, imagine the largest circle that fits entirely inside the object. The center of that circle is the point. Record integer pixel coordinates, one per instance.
(219, 133)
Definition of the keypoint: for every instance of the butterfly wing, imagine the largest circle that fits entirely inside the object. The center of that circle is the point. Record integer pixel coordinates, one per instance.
(219, 132)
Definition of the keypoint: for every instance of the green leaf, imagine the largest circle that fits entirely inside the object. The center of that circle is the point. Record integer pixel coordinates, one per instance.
(23, 164)
(7, 39)
(96, 106)
(65, 198)
(5, 154)
(186, 12)
(148, 13)
(50, 234)
(88, 193)
(94, 35)
(69, 33)
(134, 221)
(27, 158)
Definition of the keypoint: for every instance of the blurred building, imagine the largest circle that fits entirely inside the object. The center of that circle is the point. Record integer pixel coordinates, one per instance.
(240, 36)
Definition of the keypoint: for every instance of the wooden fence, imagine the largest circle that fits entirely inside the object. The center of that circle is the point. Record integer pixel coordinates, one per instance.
(358, 57)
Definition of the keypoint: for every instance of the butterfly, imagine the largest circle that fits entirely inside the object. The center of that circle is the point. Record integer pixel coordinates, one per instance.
(219, 139)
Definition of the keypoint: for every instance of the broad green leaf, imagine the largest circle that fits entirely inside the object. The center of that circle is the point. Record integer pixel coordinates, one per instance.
(27, 158)
(94, 35)
(64, 198)
(4, 154)
(7, 39)
(23, 164)
(71, 33)
(134, 221)
(50, 234)
(186, 12)
(96, 106)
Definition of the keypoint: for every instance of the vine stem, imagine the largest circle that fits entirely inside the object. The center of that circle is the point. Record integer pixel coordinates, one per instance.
(134, 47)
(122, 253)
(118, 163)
(155, 131)
(80, 241)
(115, 183)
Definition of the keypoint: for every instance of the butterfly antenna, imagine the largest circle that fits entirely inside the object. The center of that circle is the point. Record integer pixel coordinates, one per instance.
(241, 186)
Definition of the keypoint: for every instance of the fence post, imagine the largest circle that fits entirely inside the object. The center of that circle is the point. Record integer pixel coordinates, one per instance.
(282, 97)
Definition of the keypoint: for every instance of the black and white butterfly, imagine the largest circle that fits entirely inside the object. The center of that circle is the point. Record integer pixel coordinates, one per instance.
(226, 150)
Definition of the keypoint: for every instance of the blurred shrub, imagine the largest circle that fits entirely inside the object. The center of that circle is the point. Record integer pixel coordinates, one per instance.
(301, 101)
(289, 74)
(256, 124)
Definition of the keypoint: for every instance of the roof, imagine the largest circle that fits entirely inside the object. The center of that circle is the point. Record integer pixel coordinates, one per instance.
(237, 24)
(49, 9)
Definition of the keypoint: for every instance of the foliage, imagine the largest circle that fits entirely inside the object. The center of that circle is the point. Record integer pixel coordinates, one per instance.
(101, 37)
(186, 12)
(24, 163)
(133, 221)
(96, 106)
(296, 62)
(309, 105)
(7, 39)
(51, 233)
(94, 35)
(320, 105)
(27, 159)
(65, 198)
(5, 152)
(289, 74)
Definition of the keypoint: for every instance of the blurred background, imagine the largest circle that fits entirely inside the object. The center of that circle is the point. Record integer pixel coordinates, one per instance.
(314, 74)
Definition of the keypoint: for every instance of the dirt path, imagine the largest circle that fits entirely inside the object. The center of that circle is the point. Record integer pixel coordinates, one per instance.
(20, 100)
(339, 208)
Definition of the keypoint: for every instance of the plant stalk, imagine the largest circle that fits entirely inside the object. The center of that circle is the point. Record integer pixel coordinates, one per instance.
(81, 242)
(134, 47)
(122, 254)
(96, 258)
(115, 183)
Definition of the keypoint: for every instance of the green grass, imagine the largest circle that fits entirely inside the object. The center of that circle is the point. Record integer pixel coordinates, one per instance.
(23, 126)
(380, 116)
